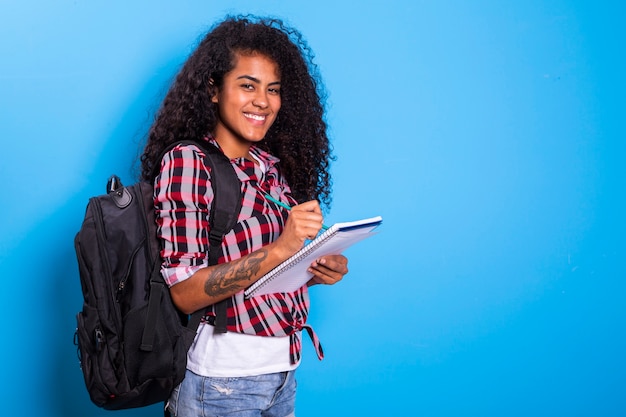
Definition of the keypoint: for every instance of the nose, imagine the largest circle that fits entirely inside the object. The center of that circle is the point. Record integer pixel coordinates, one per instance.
(260, 99)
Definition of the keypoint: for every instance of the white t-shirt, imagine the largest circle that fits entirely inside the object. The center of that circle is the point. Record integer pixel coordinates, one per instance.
(234, 354)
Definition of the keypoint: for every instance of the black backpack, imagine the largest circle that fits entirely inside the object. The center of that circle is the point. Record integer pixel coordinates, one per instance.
(132, 341)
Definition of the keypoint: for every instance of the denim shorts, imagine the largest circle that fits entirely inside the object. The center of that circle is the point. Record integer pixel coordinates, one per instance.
(271, 395)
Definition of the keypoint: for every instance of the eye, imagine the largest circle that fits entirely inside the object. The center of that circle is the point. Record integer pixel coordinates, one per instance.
(274, 90)
(247, 86)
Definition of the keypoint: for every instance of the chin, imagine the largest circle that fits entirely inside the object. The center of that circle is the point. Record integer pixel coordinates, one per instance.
(255, 138)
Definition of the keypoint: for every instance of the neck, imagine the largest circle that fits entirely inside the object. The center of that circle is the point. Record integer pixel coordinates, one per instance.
(234, 150)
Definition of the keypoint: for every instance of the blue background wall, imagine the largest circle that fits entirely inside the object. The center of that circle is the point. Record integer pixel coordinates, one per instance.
(490, 137)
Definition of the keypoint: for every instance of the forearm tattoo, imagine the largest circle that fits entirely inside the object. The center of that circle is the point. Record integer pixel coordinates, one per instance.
(228, 277)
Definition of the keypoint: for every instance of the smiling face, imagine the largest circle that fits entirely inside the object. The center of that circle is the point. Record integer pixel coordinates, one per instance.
(248, 102)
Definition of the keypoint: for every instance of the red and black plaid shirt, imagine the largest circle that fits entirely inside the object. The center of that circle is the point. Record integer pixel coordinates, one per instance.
(183, 197)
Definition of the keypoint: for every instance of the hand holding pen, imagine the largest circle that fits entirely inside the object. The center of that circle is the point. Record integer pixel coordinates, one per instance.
(304, 223)
(326, 270)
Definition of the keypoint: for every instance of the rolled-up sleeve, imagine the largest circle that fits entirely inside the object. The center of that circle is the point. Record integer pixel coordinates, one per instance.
(182, 197)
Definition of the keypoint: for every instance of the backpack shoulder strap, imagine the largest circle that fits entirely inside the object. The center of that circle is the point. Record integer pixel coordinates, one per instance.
(226, 199)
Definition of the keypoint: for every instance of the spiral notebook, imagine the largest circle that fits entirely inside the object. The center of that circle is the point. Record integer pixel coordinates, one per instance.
(292, 274)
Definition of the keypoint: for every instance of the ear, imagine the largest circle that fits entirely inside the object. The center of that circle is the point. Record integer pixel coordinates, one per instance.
(212, 91)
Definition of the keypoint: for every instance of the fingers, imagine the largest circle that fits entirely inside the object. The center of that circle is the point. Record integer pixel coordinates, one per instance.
(310, 206)
(329, 269)
(304, 223)
(306, 220)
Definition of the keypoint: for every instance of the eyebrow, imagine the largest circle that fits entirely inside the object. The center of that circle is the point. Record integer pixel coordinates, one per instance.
(256, 80)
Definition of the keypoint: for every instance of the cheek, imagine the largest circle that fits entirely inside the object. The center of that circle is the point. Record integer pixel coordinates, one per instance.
(277, 105)
(228, 105)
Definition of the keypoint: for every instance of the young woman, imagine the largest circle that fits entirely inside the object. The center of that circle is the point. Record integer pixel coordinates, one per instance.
(250, 89)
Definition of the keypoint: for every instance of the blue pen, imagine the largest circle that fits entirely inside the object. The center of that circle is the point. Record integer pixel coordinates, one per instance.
(285, 206)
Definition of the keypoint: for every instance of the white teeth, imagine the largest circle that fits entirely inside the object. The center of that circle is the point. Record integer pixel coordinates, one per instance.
(254, 116)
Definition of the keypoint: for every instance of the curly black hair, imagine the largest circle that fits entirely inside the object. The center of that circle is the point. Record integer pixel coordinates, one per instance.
(298, 136)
